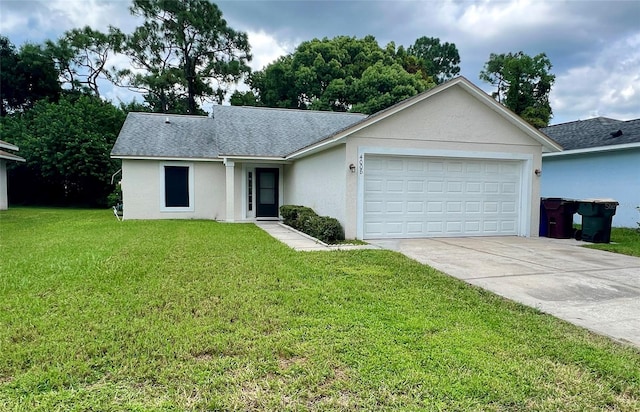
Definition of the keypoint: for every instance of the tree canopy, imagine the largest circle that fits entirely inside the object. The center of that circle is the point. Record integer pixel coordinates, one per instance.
(81, 57)
(523, 84)
(339, 74)
(67, 146)
(26, 76)
(438, 60)
(180, 49)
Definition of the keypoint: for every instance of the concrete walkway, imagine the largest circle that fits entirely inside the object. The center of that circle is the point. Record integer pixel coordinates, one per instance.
(594, 289)
(300, 241)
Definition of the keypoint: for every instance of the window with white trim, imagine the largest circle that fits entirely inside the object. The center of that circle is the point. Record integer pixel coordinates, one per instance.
(176, 191)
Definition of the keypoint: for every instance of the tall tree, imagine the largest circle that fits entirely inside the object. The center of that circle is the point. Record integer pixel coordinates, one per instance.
(441, 61)
(184, 49)
(66, 145)
(329, 74)
(523, 84)
(26, 76)
(382, 86)
(81, 56)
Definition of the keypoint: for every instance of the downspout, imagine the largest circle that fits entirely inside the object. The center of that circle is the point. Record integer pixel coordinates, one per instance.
(113, 176)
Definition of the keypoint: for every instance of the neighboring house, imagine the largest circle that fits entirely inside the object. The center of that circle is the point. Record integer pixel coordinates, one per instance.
(601, 159)
(4, 157)
(448, 162)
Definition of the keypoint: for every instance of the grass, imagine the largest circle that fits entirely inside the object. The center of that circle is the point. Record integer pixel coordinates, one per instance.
(623, 240)
(198, 315)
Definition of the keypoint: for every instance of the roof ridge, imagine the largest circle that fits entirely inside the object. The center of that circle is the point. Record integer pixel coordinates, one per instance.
(197, 116)
(284, 109)
(599, 118)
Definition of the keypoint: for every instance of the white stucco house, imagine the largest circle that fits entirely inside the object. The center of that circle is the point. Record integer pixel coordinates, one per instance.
(4, 158)
(448, 162)
(601, 159)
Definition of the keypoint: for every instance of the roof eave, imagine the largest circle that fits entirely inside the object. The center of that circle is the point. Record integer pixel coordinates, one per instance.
(547, 142)
(166, 158)
(599, 149)
(9, 146)
(254, 159)
(8, 156)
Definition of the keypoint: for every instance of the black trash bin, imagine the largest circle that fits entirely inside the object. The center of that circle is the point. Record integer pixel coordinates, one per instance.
(559, 217)
(597, 215)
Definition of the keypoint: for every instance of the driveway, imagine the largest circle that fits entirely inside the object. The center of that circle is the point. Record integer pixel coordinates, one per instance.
(597, 290)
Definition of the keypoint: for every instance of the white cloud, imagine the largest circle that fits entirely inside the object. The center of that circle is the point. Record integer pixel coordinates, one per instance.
(609, 86)
(496, 19)
(266, 48)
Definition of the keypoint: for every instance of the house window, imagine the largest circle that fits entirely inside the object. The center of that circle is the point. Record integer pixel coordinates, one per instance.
(177, 187)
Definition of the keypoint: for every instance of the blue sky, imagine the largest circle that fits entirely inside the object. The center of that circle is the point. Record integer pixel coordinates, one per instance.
(594, 46)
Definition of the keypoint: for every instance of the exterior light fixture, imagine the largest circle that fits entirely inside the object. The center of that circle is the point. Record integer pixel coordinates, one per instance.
(352, 167)
(538, 172)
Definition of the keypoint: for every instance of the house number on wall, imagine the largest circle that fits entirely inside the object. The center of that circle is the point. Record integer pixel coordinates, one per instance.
(361, 164)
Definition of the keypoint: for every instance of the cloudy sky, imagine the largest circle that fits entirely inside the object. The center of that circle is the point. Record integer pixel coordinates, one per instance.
(594, 46)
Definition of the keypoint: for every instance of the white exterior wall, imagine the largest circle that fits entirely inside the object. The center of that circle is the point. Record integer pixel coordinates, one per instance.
(141, 187)
(4, 201)
(319, 182)
(614, 175)
(452, 124)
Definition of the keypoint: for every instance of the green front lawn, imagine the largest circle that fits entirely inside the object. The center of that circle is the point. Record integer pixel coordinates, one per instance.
(97, 314)
(623, 240)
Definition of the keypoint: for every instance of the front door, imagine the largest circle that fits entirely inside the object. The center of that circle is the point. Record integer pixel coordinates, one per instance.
(267, 193)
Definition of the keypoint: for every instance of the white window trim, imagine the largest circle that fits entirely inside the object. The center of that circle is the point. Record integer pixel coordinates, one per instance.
(163, 207)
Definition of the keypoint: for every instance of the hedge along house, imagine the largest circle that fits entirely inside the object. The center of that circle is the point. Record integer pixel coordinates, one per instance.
(600, 160)
(448, 162)
(4, 157)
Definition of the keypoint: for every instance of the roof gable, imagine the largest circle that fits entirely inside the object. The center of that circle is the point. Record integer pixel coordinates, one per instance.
(596, 132)
(548, 144)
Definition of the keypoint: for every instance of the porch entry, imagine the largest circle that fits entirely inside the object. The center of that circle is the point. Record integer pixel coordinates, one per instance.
(267, 195)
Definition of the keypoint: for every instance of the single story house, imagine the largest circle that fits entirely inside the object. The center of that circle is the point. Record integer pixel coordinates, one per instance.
(4, 157)
(601, 160)
(448, 162)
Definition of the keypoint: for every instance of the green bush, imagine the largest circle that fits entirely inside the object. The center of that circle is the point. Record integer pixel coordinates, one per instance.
(304, 219)
(290, 214)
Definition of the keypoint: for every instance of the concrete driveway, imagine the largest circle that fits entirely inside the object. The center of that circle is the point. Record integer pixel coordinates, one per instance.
(597, 290)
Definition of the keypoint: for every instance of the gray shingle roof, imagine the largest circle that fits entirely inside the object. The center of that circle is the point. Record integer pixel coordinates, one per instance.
(597, 132)
(149, 135)
(232, 131)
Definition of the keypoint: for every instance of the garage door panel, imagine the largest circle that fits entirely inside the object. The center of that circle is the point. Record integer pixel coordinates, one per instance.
(417, 197)
(472, 226)
(415, 186)
(395, 186)
(373, 207)
(415, 207)
(395, 207)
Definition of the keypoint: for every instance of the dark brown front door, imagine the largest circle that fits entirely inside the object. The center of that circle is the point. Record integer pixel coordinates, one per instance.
(267, 193)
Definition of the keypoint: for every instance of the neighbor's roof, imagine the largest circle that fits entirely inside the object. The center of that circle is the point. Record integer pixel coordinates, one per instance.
(594, 133)
(9, 156)
(232, 131)
(7, 145)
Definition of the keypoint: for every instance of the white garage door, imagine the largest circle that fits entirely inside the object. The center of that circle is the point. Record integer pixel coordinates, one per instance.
(408, 197)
